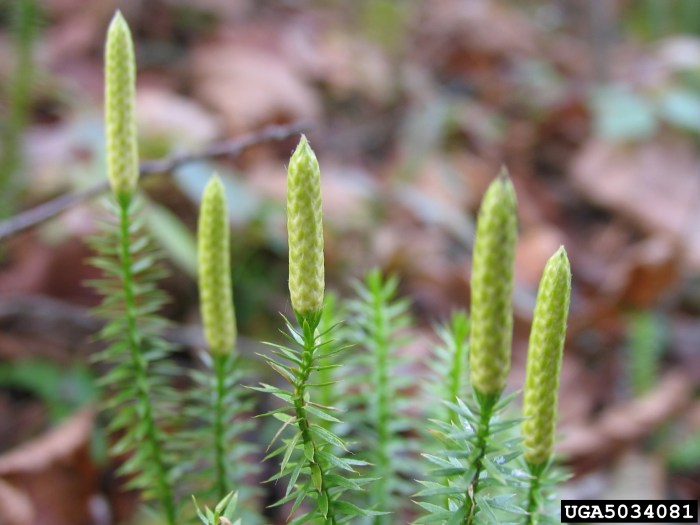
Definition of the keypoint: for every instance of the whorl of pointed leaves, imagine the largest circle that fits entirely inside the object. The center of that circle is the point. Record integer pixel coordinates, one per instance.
(544, 359)
(120, 78)
(305, 230)
(215, 270)
(375, 393)
(139, 397)
(492, 288)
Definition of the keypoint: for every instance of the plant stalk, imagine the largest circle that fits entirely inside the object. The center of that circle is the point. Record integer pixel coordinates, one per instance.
(303, 420)
(220, 364)
(381, 414)
(486, 406)
(533, 496)
(165, 492)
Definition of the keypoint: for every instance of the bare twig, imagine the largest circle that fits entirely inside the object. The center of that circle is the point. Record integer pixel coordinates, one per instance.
(230, 148)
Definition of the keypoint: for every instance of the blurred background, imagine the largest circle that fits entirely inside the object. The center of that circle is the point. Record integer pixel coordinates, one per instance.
(412, 108)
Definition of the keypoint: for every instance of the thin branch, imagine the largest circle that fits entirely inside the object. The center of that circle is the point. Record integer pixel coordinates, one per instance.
(230, 148)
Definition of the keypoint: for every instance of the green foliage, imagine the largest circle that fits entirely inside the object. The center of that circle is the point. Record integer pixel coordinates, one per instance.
(544, 358)
(139, 397)
(336, 468)
(310, 458)
(653, 19)
(478, 461)
(646, 339)
(61, 390)
(685, 456)
(450, 364)
(222, 513)
(378, 396)
(25, 23)
(216, 418)
(137, 357)
(217, 403)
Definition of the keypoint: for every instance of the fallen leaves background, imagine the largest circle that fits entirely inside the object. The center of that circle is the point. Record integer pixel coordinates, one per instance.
(593, 106)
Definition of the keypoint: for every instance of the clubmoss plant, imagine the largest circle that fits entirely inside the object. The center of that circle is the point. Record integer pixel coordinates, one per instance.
(377, 404)
(310, 458)
(479, 475)
(223, 511)
(451, 364)
(542, 378)
(131, 298)
(492, 318)
(218, 317)
(476, 466)
(216, 408)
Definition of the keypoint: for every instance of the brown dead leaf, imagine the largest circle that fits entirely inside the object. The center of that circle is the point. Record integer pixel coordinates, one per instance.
(53, 447)
(181, 121)
(55, 472)
(627, 423)
(60, 271)
(473, 41)
(535, 246)
(351, 66)
(644, 272)
(15, 506)
(655, 185)
(250, 87)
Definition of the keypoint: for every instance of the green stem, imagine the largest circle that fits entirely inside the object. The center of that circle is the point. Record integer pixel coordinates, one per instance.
(486, 406)
(221, 474)
(303, 419)
(533, 499)
(140, 363)
(381, 407)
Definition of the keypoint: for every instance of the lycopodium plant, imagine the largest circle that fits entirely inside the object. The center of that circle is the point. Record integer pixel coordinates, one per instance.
(475, 452)
(479, 476)
(451, 364)
(335, 467)
(374, 395)
(219, 401)
(311, 457)
(157, 428)
(138, 396)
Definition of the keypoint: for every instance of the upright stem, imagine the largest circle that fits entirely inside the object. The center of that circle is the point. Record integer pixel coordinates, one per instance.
(140, 363)
(317, 474)
(532, 502)
(221, 475)
(537, 473)
(381, 409)
(486, 405)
